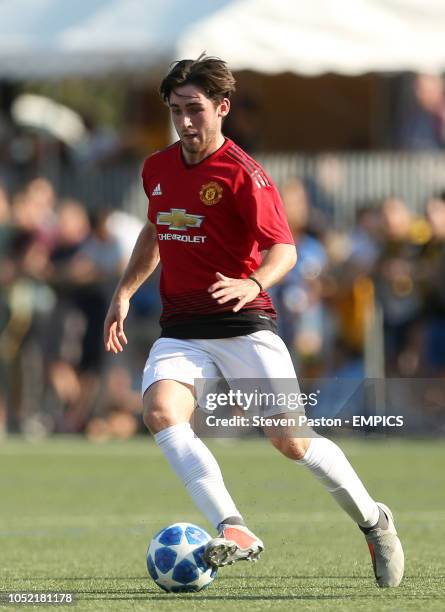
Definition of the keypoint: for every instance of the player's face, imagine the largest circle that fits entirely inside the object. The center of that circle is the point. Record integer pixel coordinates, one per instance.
(197, 120)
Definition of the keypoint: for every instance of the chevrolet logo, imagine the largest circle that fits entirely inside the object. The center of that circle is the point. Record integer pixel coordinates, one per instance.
(178, 219)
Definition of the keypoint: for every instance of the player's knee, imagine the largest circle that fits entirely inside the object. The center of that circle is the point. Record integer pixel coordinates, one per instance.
(155, 418)
(292, 448)
(167, 403)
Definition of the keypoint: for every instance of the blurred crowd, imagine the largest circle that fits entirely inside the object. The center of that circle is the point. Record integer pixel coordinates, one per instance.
(59, 264)
(382, 278)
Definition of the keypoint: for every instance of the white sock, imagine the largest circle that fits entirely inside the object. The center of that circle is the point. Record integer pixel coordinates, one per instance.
(330, 466)
(197, 468)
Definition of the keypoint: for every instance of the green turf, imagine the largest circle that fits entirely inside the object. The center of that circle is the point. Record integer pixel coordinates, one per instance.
(77, 516)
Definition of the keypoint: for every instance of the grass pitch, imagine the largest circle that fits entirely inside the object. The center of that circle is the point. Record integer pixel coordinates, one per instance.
(77, 517)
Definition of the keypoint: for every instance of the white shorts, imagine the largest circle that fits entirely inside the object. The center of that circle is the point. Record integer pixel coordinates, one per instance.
(261, 356)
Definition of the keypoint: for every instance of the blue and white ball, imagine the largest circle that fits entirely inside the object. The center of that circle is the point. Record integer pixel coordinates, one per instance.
(175, 559)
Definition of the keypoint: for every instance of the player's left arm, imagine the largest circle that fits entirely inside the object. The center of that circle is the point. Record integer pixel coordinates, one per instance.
(278, 261)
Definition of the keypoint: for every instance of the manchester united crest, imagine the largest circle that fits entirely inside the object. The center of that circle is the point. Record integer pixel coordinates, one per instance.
(211, 193)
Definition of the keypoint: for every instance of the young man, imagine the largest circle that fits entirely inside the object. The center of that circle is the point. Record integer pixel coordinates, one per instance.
(216, 223)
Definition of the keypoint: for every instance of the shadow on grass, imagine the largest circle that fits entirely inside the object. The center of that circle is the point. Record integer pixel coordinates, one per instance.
(220, 578)
(296, 577)
(74, 578)
(145, 593)
(148, 596)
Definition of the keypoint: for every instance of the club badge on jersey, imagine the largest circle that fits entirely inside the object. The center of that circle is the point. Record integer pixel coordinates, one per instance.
(211, 193)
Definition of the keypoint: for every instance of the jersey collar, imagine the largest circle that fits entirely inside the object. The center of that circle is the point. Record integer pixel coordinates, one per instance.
(226, 144)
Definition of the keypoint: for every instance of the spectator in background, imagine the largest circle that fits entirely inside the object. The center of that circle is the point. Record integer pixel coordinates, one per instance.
(101, 143)
(6, 232)
(117, 412)
(94, 270)
(63, 340)
(87, 260)
(73, 228)
(28, 301)
(365, 238)
(431, 271)
(397, 287)
(34, 211)
(125, 227)
(422, 123)
(352, 257)
(25, 269)
(298, 297)
(5, 220)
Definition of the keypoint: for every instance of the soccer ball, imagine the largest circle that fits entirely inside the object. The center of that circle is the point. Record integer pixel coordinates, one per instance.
(175, 559)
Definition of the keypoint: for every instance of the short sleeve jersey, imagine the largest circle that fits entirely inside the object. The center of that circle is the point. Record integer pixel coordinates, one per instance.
(214, 216)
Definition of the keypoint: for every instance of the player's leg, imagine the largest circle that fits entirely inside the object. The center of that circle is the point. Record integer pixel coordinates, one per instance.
(168, 406)
(264, 356)
(329, 465)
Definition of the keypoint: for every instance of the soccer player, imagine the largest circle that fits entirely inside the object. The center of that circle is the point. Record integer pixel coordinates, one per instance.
(216, 222)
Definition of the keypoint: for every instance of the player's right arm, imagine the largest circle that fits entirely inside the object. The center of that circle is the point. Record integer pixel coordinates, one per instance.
(143, 261)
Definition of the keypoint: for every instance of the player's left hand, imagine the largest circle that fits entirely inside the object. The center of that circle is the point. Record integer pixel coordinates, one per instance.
(242, 289)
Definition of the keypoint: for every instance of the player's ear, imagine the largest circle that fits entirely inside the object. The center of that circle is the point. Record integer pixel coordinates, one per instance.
(224, 107)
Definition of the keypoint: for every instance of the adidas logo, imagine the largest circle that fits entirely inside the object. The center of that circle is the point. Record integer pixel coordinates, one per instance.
(157, 190)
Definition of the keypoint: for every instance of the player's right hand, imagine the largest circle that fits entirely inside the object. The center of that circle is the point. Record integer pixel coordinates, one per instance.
(114, 335)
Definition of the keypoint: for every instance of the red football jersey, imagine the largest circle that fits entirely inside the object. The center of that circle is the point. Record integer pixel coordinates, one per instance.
(214, 216)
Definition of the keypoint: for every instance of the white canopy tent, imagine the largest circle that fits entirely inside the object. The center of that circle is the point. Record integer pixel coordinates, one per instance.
(57, 38)
(347, 37)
